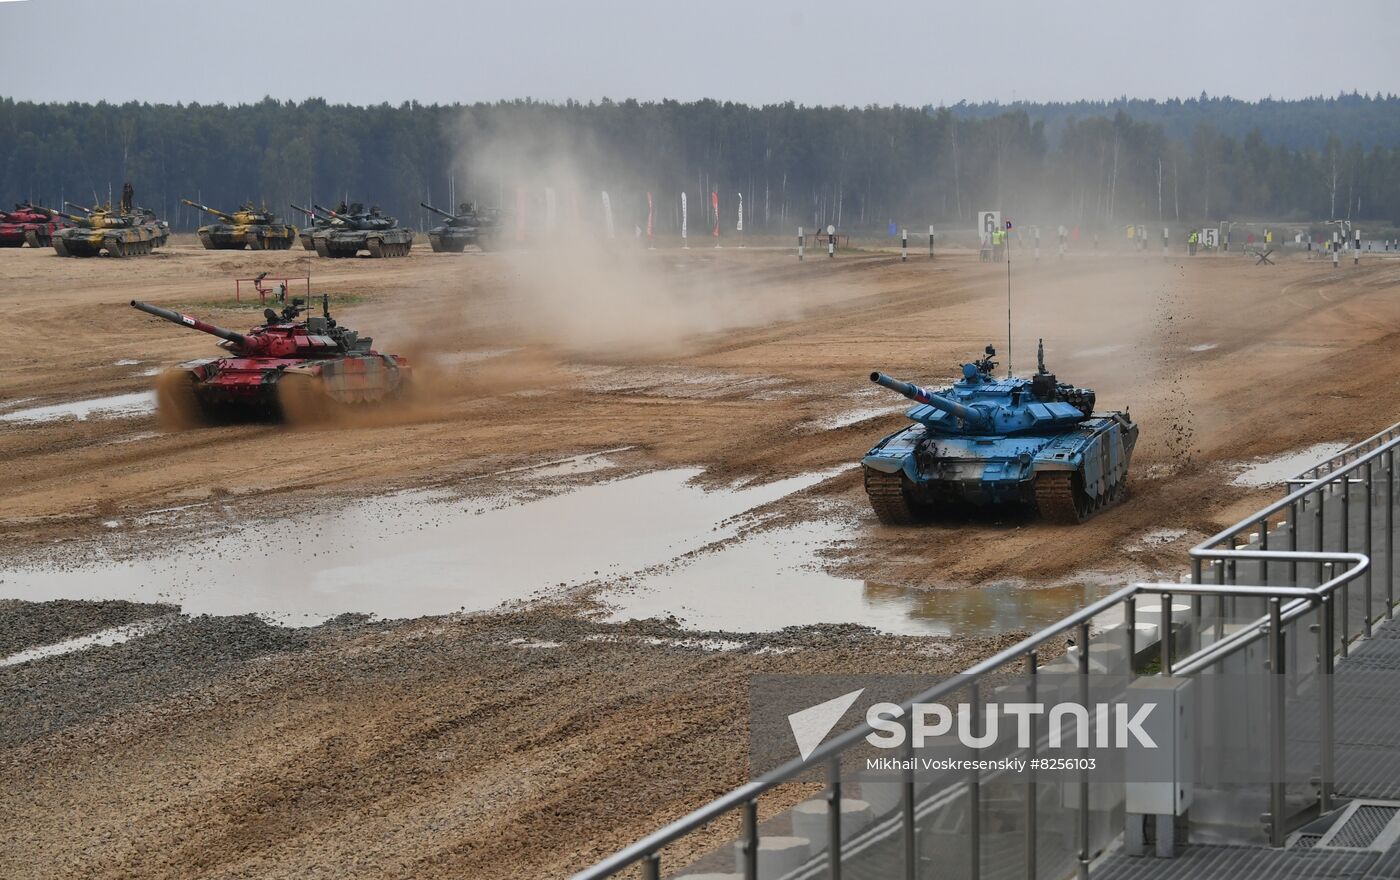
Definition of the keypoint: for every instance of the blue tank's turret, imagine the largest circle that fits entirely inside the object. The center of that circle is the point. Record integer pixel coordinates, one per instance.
(974, 419)
(979, 404)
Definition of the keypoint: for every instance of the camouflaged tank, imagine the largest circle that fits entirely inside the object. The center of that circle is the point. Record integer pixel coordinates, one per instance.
(248, 227)
(127, 232)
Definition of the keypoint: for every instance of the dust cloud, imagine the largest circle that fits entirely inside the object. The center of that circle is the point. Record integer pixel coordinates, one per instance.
(581, 276)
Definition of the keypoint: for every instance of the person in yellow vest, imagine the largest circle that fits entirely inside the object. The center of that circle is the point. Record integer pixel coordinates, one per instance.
(998, 244)
(1191, 241)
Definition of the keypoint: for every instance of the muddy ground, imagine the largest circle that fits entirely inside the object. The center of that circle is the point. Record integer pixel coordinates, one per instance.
(528, 742)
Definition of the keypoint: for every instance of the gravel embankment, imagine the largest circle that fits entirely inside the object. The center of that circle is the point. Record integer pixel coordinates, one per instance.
(47, 695)
(26, 625)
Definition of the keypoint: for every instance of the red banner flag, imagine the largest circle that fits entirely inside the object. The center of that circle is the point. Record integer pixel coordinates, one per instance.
(651, 214)
(714, 203)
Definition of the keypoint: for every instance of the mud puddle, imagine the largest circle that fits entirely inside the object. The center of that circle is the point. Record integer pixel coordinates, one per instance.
(417, 553)
(137, 403)
(775, 578)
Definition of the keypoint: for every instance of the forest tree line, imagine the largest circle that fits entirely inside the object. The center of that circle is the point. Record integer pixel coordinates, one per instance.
(858, 168)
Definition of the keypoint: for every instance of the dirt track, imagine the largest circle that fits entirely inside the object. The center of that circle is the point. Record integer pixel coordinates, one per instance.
(438, 748)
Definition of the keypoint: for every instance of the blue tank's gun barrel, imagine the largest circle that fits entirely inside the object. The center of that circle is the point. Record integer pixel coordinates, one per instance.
(969, 415)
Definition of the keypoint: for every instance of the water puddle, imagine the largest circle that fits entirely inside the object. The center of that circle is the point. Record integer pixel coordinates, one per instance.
(587, 463)
(1204, 346)
(101, 639)
(136, 403)
(1271, 471)
(774, 579)
(125, 362)
(418, 553)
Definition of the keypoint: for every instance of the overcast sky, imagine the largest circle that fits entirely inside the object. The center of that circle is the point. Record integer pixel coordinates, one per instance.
(756, 51)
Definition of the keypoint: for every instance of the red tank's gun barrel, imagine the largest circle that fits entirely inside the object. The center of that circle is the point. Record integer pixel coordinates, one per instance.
(186, 321)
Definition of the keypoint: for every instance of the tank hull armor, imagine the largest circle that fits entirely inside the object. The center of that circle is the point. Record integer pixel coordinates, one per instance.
(237, 237)
(132, 241)
(333, 242)
(256, 388)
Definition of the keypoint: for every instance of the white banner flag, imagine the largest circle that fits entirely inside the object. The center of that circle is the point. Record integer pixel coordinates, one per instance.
(607, 214)
(683, 213)
(740, 226)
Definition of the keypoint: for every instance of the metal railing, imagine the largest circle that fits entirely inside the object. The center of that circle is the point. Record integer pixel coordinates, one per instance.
(1298, 562)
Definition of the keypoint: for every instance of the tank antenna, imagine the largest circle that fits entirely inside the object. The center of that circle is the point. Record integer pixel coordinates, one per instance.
(1009, 372)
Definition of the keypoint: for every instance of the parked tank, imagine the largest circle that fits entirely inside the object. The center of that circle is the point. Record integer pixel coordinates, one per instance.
(356, 229)
(129, 231)
(289, 367)
(467, 226)
(985, 441)
(248, 227)
(317, 221)
(29, 224)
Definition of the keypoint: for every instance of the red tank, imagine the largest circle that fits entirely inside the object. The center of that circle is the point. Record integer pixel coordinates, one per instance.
(29, 224)
(289, 368)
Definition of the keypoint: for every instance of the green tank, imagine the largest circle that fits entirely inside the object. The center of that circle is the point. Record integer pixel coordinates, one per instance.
(355, 229)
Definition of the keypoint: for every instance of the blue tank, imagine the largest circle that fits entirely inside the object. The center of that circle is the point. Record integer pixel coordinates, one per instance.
(986, 441)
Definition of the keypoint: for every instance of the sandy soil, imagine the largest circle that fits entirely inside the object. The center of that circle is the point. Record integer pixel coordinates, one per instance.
(437, 748)
(1291, 356)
